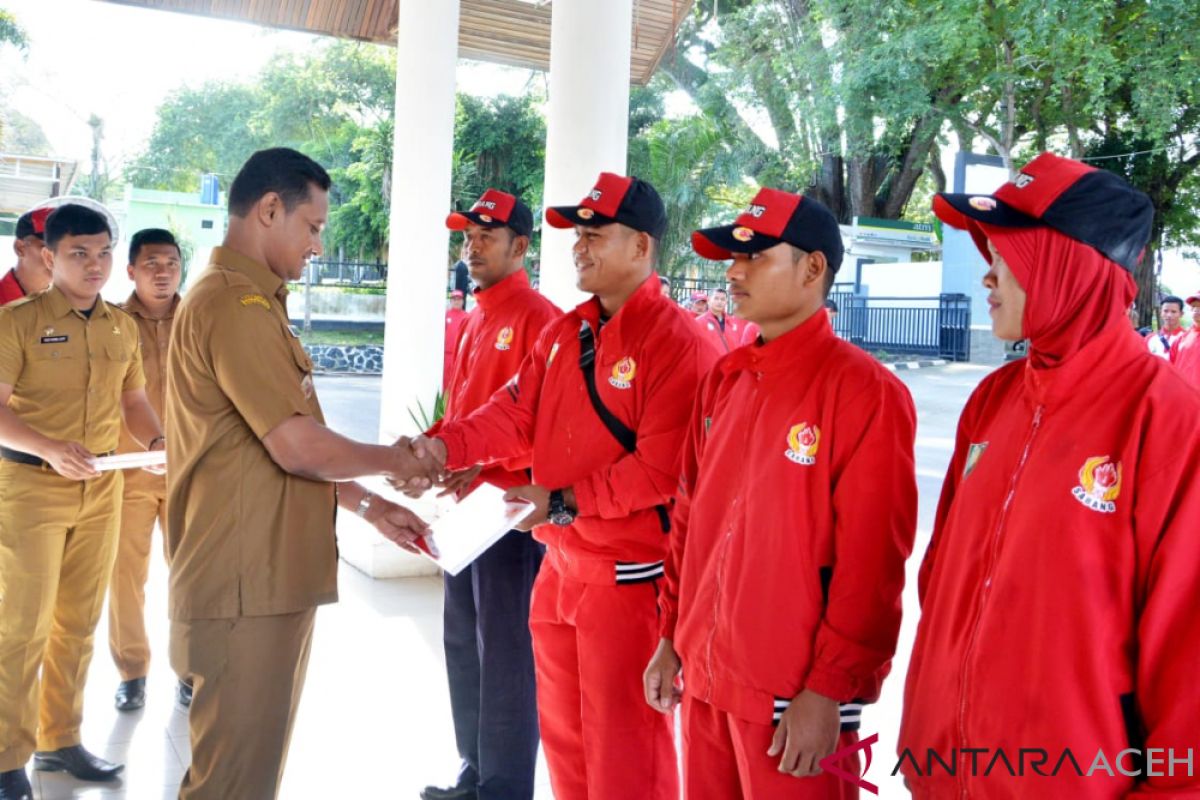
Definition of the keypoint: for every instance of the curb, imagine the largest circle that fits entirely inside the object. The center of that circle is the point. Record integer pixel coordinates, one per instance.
(903, 366)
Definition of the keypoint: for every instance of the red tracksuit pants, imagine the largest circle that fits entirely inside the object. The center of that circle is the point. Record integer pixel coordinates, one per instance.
(725, 758)
(591, 643)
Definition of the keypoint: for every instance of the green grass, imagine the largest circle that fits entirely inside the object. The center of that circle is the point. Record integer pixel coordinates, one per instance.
(343, 337)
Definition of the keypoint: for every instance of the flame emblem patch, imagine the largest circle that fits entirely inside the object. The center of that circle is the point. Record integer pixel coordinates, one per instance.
(803, 442)
(623, 372)
(504, 339)
(1099, 484)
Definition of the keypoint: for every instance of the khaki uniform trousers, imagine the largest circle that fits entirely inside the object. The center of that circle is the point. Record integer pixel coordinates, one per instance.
(247, 674)
(145, 501)
(57, 543)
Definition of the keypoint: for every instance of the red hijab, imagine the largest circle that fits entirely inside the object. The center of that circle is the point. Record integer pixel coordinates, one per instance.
(1072, 291)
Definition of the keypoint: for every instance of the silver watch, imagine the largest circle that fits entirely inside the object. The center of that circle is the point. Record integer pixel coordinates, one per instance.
(364, 505)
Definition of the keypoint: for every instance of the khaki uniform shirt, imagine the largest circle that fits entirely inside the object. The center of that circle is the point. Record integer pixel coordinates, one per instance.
(68, 371)
(244, 537)
(154, 336)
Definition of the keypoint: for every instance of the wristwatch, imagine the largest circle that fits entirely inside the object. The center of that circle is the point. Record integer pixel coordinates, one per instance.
(364, 505)
(559, 514)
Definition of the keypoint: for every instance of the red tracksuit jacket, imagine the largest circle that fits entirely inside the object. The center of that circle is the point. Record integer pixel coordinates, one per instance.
(797, 512)
(649, 361)
(495, 338)
(724, 340)
(454, 324)
(10, 288)
(1185, 355)
(1061, 591)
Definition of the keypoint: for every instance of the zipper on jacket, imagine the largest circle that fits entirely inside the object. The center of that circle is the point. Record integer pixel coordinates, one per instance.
(712, 633)
(985, 591)
(716, 616)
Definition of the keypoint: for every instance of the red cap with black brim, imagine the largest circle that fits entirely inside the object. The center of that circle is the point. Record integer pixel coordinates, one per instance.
(775, 217)
(495, 209)
(33, 223)
(615, 198)
(1089, 205)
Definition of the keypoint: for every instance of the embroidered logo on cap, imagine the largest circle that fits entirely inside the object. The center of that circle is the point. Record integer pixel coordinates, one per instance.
(585, 213)
(1023, 180)
(594, 195)
(623, 372)
(803, 441)
(743, 234)
(484, 218)
(504, 339)
(756, 211)
(982, 203)
(488, 204)
(1099, 484)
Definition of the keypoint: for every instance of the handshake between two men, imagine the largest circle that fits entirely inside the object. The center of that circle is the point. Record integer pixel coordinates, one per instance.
(427, 468)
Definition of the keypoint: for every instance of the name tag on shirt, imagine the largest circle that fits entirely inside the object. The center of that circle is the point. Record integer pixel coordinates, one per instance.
(54, 339)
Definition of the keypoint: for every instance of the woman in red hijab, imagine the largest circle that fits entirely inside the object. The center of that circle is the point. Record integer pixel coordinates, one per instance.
(1060, 627)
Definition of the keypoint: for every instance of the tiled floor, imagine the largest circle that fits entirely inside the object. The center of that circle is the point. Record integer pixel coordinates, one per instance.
(375, 718)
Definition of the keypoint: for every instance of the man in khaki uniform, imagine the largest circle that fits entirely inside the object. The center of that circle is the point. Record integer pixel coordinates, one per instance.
(69, 372)
(251, 493)
(155, 269)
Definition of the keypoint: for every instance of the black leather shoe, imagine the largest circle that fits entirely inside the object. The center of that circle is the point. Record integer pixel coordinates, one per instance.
(77, 761)
(183, 693)
(14, 785)
(131, 695)
(451, 793)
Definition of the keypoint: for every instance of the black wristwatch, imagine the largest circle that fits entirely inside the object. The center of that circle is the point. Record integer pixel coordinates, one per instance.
(559, 514)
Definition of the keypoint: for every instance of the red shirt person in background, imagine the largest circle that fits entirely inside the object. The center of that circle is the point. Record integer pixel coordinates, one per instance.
(455, 317)
(1185, 354)
(1060, 588)
(30, 275)
(723, 329)
(796, 512)
(1162, 340)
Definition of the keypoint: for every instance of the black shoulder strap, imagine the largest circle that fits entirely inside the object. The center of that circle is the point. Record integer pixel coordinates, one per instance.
(587, 365)
(620, 431)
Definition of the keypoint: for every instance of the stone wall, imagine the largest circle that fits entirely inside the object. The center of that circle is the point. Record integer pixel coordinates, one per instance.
(365, 359)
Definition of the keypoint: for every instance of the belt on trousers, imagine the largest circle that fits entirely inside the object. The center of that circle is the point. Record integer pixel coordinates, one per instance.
(31, 460)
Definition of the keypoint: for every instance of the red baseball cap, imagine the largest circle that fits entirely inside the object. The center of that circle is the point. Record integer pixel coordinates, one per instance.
(495, 209)
(774, 217)
(33, 223)
(615, 198)
(1194, 299)
(457, 293)
(1090, 205)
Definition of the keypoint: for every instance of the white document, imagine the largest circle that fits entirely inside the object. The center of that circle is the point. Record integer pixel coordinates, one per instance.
(466, 529)
(150, 458)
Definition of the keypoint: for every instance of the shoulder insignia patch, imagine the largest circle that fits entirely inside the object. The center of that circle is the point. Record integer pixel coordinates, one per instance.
(255, 300)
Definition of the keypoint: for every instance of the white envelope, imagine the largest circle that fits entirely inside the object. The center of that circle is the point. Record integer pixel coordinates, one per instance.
(150, 458)
(466, 529)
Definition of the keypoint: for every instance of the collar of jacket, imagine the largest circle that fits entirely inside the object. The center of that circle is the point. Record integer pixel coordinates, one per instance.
(784, 352)
(623, 323)
(498, 294)
(134, 305)
(1099, 361)
(260, 274)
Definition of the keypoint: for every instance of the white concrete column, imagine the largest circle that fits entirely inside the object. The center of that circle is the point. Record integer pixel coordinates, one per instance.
(587, 119)
(426, 59)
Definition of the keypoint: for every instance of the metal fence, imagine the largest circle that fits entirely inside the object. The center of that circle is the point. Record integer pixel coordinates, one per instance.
(930, 326)
(347, 273)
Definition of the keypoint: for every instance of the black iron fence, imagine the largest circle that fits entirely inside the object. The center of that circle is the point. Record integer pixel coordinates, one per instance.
(939, 326)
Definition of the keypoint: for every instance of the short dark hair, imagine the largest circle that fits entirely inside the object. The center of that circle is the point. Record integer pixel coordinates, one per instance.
(74, 220)
(720, 289)
(286, 172)
(1172, 299)
(151, 236)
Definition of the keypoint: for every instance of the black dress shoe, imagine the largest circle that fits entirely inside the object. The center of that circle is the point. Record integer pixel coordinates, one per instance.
(451, 793)
(131, 695)
(77, 761)
(183, 693)
(14, 785)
